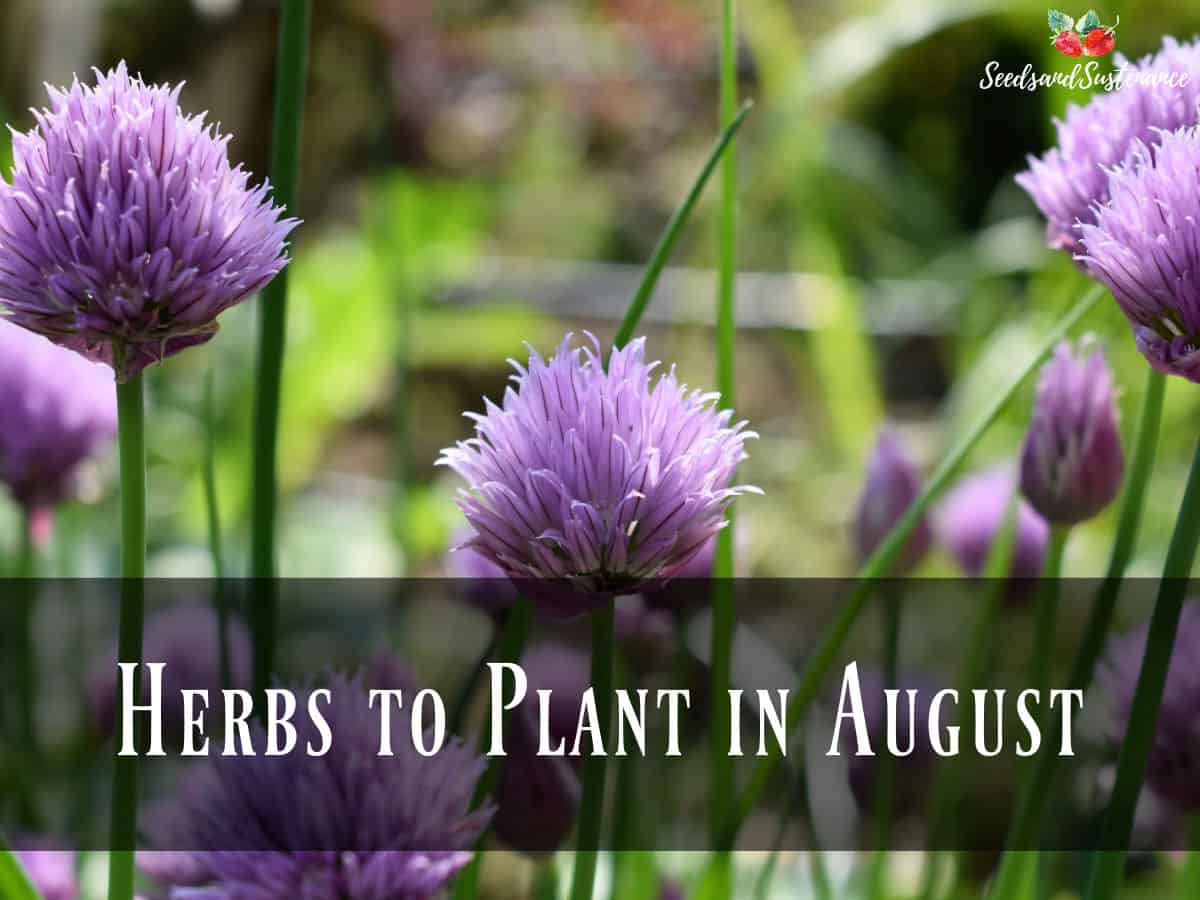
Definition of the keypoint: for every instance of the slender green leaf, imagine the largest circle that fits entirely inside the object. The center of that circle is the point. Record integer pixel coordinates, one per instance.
(722, 776)
(591, 804)
(1108, 867)
(637, 878)
(291, 78)
(1189, 875)
(973, 668)
(14, 883)
(843, 354)
(546, 881)
(131, 422)
(1036, 792)
(509, 646)
(666, 243)
(716, 883)
(885, 555)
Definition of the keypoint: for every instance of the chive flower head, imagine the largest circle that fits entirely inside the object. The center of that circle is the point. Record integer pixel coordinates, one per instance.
(892, 484)
(605, 479)
(1173, 770)
(58, 412)
(50, 871)
(1145, 247)
(972, 516)
(349, 825)
(1072, 462)
(1068, 182)
(124, 229)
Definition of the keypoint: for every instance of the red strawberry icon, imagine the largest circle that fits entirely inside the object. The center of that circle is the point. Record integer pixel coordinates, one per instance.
(1085, 36)
(1068, 42)
(1100, 41)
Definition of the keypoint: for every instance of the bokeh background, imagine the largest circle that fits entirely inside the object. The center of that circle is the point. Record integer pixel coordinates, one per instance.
(480, 173)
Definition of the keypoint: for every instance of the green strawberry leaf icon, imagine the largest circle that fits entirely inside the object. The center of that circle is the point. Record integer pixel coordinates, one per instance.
(1059, 21)
(1088, 23)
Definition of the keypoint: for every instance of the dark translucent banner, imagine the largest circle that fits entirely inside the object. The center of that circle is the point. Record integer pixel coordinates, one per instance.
(391, 706)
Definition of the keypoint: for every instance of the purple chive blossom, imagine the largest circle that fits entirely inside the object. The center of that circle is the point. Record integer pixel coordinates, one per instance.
(892, 484)
(50, 871)
(559, 667)
(645, 629)
(350, 825)
(1174, 768)
(911, 772)
(1145, 247)
(538, 797)
(125, 231)
(689, 589)
(537, 800)
(58, 411)
(185, 638)
(1072, 462)
(486, 585)
(1071, 179)
(386, 671)
(701, 565)
(970, 518)
(608, 480)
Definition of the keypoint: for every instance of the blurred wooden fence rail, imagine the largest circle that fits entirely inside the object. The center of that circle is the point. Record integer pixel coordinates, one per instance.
(789, 301)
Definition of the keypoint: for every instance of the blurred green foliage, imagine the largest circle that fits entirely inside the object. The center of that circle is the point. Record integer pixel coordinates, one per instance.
(484, 132)
(443, 136)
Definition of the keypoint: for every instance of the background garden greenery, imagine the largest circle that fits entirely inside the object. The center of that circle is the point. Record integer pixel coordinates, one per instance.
(475, 170)
(451, 145)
